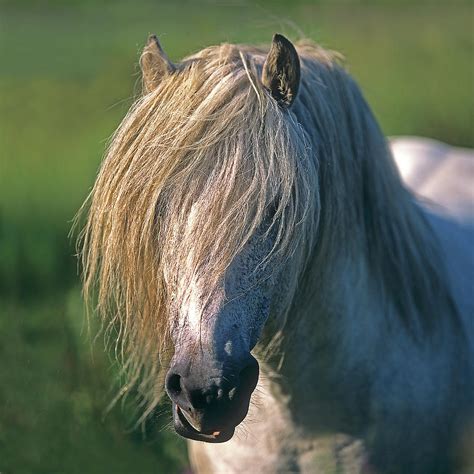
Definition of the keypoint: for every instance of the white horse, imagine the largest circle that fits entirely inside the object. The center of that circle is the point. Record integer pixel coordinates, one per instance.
(252, 239)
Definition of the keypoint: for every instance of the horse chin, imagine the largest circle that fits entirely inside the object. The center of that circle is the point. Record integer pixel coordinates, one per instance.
(186, 430)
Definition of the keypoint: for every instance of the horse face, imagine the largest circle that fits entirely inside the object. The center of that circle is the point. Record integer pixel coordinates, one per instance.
(213, 374)
(216, 325)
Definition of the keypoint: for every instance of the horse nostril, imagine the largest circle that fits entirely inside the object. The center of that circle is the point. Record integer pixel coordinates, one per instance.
(173, 384)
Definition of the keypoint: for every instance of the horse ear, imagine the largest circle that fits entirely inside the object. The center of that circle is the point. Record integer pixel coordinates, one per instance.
(154, 64)
(281, 71)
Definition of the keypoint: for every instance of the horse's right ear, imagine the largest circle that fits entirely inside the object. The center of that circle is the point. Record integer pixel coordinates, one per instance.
(281, 71)
(154, 64)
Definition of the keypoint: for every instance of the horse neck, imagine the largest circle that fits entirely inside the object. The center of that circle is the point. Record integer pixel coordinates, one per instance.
(369, 225)
(376, 271)
(327, 325)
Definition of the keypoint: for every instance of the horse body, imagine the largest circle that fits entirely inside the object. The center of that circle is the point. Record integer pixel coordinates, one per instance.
(249, 218)
(317, 433)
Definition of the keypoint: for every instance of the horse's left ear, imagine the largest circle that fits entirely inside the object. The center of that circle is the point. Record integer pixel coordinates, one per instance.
(154, 64)
(281, 71)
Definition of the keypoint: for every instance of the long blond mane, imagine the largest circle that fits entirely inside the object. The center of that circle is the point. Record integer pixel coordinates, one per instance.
(208, 138)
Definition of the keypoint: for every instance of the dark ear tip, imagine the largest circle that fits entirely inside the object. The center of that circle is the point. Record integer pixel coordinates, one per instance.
(153, 40)
(280, 39)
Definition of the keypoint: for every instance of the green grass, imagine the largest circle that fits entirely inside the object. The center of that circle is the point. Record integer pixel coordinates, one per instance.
(53, 396)
(68, 75)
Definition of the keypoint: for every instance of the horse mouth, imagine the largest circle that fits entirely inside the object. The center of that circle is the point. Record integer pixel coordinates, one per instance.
(184, 428)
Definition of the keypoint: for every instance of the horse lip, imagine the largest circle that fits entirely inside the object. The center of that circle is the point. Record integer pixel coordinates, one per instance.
(187, 417)
(186, 430)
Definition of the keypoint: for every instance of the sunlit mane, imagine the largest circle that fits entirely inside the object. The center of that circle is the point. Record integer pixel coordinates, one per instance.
(207, 139)
(211, 143)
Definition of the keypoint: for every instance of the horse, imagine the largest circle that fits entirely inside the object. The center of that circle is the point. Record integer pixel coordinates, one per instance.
(254, 253)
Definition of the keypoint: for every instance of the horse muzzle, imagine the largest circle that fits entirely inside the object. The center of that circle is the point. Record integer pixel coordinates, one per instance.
(209, 408)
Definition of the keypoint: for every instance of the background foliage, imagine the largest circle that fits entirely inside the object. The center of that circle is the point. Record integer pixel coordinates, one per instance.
(68, 73)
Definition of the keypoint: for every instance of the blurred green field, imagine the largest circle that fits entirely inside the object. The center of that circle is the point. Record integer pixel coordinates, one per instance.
(68, 74)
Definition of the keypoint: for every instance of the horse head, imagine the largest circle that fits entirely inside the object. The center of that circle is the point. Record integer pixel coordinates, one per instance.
(215, 327)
